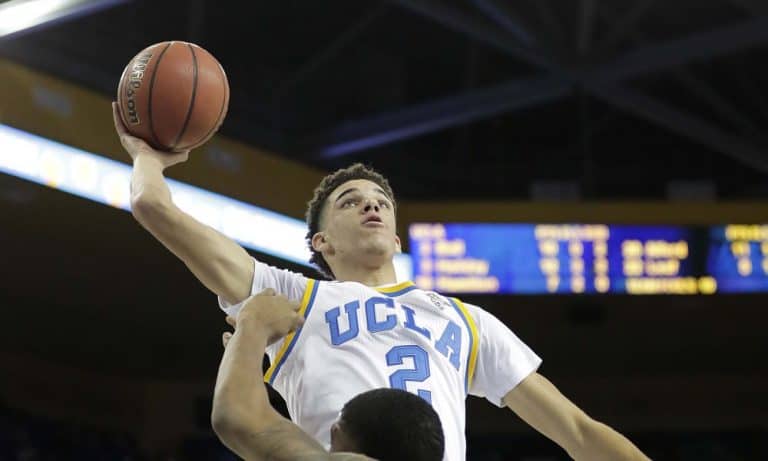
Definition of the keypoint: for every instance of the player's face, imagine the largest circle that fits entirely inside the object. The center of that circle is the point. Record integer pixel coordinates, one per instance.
(358, 222)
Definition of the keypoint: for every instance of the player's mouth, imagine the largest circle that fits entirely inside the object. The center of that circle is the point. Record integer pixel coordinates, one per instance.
(372, 220)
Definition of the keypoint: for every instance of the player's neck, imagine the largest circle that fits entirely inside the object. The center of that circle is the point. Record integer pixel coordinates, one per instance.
(369, 276)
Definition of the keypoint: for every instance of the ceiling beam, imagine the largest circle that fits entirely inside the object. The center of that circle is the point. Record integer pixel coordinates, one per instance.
(682, 123)
(481, 31)
(403, 124)
(673, 53)
(437, 115)
(506, 19)
(624, 26)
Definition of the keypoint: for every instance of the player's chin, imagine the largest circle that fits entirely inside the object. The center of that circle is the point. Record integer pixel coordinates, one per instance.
(378, 237)
(380, 247)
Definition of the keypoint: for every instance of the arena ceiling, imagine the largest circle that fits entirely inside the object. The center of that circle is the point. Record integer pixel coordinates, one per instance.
(467, 98)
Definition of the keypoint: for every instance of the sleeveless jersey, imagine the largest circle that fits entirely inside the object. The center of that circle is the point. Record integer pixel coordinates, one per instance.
(357, 338)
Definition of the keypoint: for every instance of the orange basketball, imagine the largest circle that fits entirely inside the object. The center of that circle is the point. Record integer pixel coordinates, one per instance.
(174, 95)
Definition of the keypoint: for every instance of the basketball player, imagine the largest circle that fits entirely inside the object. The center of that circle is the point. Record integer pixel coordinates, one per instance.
(385, 424)
(363, 331)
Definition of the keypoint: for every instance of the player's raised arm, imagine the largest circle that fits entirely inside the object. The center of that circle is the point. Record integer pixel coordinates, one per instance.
(538, 402)
(218, 262)
(506, 374)
(242, 416)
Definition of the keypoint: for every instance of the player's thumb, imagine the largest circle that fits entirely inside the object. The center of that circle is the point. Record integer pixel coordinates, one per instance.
(268, 292)
(117, 119)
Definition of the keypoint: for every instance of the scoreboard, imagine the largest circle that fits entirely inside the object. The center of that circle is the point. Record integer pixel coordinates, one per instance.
(589, 258)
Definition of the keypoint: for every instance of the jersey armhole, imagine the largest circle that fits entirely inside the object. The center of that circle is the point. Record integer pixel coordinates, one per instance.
(289, 341)
(474, 340)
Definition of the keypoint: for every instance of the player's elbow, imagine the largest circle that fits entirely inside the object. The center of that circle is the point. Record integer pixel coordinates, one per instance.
(226, 419)
(230, 429)
(237, 424)
(578, 440)
(220, 422)
(148, 207)
(594, 440)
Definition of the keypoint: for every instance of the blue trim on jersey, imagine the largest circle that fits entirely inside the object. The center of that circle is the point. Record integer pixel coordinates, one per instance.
(296, 335)
(471, 343)
(405, 290)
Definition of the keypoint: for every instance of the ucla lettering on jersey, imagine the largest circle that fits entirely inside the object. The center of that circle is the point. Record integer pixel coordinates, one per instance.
(356, 338)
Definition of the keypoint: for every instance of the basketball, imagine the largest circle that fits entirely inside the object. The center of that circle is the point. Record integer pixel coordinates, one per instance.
(173, 95)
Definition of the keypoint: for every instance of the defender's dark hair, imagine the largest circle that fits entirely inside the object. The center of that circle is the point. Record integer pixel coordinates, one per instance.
(393, 425)
(316, 206)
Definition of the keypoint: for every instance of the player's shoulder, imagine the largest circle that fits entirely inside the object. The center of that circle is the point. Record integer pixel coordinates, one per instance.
(268, 269)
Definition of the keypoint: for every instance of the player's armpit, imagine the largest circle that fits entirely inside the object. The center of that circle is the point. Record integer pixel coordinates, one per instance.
(538, 402)
(219, 263)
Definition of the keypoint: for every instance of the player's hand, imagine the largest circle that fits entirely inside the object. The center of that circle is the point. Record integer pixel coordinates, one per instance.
(136, 147)
(272, 314)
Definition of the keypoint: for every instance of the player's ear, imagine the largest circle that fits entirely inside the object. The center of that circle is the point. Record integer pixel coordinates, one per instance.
(341, 441)
(335, 429)
(398, 246)
(319, 243)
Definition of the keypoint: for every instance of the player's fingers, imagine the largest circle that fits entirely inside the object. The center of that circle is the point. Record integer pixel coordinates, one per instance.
(268, 292)
(129, 142)
(298, 321)
(231, 321)
(291, 323)
(118, 120)
(225, 338)
(177, 157)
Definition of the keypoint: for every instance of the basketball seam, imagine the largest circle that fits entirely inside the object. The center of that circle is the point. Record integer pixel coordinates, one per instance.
(192, 100)
(221, 110)
(149, 98)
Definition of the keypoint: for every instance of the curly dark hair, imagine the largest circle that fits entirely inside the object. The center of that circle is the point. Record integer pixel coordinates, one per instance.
(316, 206)
(393, 425)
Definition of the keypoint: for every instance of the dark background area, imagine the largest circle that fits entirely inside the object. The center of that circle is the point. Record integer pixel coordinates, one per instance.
(530, 93)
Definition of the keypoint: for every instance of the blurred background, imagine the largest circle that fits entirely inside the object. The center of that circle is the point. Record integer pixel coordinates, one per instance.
(593, 173)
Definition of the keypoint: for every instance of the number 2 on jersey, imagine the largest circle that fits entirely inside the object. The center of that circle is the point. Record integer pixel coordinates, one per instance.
(419, 372)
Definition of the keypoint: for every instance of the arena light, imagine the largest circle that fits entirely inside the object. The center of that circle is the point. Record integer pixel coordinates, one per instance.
(19, 15)
(106, 181)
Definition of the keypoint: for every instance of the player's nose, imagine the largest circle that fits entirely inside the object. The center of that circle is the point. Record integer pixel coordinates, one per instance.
(371, 205)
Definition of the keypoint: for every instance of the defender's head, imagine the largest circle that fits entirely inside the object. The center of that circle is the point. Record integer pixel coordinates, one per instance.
(352, 217)
(389, 425)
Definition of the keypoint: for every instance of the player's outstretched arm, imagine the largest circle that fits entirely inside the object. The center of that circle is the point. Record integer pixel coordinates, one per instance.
(218, 262)
(538, 402)
(242, 416)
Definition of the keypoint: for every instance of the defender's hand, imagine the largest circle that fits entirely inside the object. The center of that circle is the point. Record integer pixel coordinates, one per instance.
(136, 147)
(272, 314)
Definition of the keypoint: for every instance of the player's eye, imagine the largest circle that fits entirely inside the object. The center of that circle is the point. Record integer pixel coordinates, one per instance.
(384, 204)
(349, 203)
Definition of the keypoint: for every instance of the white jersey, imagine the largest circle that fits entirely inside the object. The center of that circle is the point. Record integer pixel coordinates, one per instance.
(357, 338)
